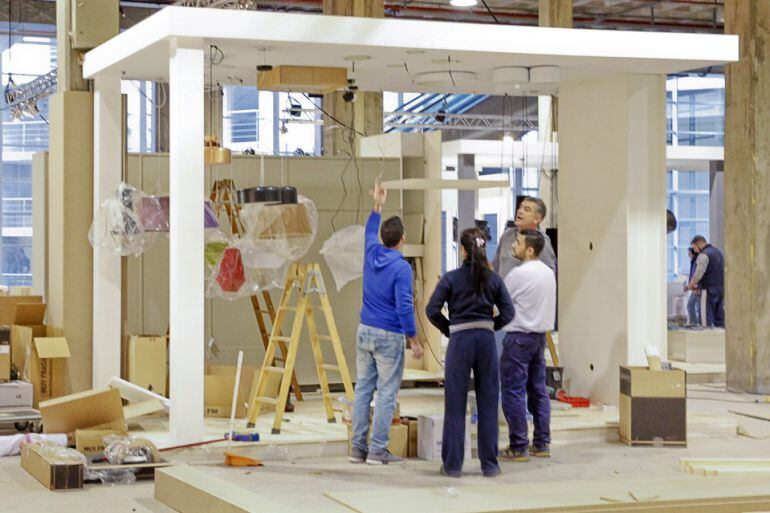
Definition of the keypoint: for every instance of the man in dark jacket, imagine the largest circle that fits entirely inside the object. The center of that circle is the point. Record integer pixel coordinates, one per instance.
(709, 276)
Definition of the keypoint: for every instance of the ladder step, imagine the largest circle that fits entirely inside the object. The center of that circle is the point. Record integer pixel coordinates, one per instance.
(325, 337)
(276, 370)
(280, 338)
(329, 367)
(289, 308)
(268, 400)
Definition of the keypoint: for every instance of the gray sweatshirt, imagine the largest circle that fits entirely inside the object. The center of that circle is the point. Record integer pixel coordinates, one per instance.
(504, 260)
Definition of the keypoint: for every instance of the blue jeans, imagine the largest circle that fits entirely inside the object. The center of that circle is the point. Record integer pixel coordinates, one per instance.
(693, 309)
(468, 350)
(380, 366)
(715, 308)
(522, 376)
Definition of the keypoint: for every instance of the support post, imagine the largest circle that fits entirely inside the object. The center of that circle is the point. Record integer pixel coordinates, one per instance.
(612, 241)
(186, 294)
(466, 200)
(108, 160)
(747, 199)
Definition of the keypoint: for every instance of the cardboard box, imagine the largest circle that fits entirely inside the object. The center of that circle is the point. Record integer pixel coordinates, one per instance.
(92, 408)
(47, 366)
(148, 363)
(430, 434)
(54, 473)
(30, 315)
(308, 79)
(653, 407)
(8, 307)
(413, 426)
(90, 442)
(5, 353)
(218, 384)
(398, 439)
(16, 394)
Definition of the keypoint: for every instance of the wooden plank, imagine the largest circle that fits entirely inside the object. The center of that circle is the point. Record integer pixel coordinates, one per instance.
(422, 184)
(685, 494)
(189, 490)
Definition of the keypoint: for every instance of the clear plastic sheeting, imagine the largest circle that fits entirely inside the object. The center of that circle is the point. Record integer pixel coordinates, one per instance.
(243, 270)
(286, 230)
(117, 225)
(344, 254)
(127, 450)
(11, 445)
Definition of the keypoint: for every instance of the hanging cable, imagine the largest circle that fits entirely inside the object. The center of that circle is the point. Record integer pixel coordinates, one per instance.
(490, 11)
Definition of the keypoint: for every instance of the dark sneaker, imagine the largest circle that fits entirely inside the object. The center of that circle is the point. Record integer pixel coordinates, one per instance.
(445, 472)
(382, 458)
(492, 473)
(513, 455)
(357, 455)
(540, 452)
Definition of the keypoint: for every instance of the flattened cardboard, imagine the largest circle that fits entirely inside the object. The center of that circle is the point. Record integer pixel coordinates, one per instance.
(47, 366)
(90, 442)
(148, 363)
(101, 407)
(51, 473)
(643, 382)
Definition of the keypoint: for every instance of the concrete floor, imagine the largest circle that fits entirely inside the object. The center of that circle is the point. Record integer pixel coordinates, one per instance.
(300, 483)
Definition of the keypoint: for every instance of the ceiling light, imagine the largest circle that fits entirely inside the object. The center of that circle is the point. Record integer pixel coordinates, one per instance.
(463, 3)
(357, 58)
(507, 138)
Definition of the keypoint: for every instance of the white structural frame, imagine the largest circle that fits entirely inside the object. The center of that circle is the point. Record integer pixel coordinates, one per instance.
(171, 45)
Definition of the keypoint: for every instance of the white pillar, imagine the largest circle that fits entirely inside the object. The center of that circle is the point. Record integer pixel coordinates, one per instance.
(545, 134)
(612, 200)
(107, 319)
(186, 179)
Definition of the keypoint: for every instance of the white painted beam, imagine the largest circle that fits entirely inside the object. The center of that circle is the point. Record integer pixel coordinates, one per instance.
(186, 292)
(107, 318)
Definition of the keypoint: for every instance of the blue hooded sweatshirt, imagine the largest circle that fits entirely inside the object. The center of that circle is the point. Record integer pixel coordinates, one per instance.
(388, 303)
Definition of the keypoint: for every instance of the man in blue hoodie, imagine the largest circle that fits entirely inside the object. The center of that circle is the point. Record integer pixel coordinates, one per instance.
(387, 316)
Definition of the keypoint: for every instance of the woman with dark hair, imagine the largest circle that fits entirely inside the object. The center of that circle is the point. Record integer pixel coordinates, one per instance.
(471, 293)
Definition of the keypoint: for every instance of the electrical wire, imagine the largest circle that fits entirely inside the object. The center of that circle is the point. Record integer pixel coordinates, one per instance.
(340, 123)
(43, 118)
(490, 11)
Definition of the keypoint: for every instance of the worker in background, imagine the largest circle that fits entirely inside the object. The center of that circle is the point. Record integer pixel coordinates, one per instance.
(693, 301)
(709, 276)
(471, 293)
(532, 287)
(387, 316)
(529, 215)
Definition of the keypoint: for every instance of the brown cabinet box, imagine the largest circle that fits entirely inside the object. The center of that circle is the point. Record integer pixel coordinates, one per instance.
(53, 473)
(148, 363)
(47, 365)
(653, 407)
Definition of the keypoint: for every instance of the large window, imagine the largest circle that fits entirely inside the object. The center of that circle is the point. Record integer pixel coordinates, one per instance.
(688, 199)
(31, 52)
(695, 107)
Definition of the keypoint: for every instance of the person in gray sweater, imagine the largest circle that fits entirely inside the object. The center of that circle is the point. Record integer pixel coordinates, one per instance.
(529, 215)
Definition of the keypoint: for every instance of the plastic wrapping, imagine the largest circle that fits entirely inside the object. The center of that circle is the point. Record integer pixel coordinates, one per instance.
(344, 254)
(112, 476)
(154, 214)
(117, 225)
(125, 450)
(230, 275)
(61, 454)
(284, 230)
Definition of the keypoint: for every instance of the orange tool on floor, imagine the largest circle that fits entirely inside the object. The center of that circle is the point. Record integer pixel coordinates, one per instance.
(576, 402)
(236, 460)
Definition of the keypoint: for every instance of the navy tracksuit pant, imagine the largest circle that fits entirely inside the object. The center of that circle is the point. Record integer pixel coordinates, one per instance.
(522, 378)
(468, 350)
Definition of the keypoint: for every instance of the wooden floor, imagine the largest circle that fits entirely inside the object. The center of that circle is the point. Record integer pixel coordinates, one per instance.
(306, 470)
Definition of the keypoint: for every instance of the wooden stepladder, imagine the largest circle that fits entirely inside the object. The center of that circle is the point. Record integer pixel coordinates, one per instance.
(223, 196)
(303, 281)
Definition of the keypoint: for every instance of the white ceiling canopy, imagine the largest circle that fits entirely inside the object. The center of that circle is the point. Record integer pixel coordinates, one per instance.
(392, 54)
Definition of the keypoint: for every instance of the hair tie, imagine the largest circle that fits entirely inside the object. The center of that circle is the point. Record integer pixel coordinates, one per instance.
(480, 242)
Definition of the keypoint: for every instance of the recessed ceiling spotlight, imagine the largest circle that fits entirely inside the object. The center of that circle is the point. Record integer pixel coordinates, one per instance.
(463, 3)
(357, 58)
(395, 66)
(445, 61)
(415, 52)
